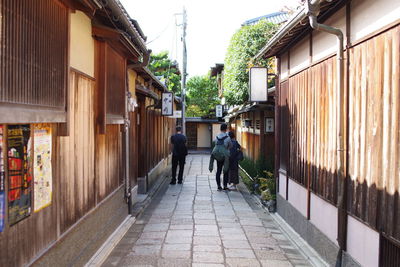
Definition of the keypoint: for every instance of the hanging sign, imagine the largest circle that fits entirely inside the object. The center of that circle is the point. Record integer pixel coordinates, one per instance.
(218, 111)
(19, 172)
(2, 181)
(42, 173)
(258, 84)
(167, 107)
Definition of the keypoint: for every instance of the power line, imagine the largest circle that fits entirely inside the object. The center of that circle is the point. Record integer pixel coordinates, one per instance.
(160, 34)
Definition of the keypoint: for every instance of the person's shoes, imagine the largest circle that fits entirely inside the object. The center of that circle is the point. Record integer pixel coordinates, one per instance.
(179, 182)
(172, 182)
(233, 187)
(226, 189)
(219, 188)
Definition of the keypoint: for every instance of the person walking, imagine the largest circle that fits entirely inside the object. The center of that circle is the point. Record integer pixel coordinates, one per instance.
(220, 153)
(235, 156)
(179, 153)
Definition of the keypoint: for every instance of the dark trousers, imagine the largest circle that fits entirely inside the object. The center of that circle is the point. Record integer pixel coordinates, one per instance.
(220, 166)
(175, 161)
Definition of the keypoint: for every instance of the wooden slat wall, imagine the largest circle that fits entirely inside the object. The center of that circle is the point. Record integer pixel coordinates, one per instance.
(284, 127)
(312, 108)
(116, 77)
(133, 148)
(374, 132)
(374, 141)
(33, 52)
(77, 153)
(109, 170)
(321, 100)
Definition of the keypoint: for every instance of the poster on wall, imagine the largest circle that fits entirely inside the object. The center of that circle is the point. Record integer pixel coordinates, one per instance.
(19, 172)
(2, 181)
(42, 173)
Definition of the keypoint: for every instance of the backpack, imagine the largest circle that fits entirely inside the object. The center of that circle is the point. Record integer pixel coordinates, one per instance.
(220, 151)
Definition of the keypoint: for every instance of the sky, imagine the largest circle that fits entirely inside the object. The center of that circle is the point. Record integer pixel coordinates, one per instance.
(210, 26)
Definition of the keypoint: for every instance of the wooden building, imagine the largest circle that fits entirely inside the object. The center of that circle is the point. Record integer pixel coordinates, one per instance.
(80, 127)
(252, 126)
(201, 132)
(251, 122)
(338, 139)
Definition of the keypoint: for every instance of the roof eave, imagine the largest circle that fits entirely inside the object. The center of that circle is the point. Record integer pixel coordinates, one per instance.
(286, 28)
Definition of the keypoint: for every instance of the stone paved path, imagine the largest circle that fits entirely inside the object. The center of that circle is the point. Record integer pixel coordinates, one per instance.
(195, 225)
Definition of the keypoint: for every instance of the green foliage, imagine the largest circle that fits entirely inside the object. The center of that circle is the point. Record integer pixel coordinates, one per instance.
(163, 66)
(258, 167)
(244, 45)
(249, 166)
(202, 95)
(261, 171)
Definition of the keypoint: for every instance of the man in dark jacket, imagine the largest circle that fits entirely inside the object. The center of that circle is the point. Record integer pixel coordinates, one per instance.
(179, 153)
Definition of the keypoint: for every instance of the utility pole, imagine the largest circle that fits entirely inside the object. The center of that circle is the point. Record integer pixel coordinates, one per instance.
(184, 59)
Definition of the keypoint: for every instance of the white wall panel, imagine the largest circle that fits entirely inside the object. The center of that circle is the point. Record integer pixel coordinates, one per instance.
(298, 197)
(284, 66)
(82, 43)
(282, 185)
(203, 135)
(325, 44)
(300, 56)
(324, 216)
(362, 243)
(368, 16)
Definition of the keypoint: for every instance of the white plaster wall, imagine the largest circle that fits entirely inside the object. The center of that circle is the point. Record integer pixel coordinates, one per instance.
(282, 185)
(215, 130)
(325, 44)
(324, 216)
(284, 71)
(81, 43)
(300, 56)
(362, 243)
(298, 197)
(203, 135)
(368, 16)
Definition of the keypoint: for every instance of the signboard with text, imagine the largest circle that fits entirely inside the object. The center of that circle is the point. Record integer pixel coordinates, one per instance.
(218, 111)
(269, 125)
(167, 107)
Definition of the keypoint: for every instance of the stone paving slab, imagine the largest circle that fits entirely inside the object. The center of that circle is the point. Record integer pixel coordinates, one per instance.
(195, 225)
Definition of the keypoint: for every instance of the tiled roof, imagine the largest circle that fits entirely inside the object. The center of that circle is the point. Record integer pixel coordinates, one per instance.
(296, 28)
(134, 25)
(276, 17)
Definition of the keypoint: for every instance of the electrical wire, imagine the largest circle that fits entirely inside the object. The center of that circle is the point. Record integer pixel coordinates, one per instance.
(160, 34)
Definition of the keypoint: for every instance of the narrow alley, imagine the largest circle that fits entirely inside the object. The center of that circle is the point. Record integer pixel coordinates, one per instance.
(195, 225)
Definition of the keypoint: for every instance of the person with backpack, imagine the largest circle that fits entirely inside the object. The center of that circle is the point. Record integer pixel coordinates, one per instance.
(236, 155)
(220, 153)
(179, 153)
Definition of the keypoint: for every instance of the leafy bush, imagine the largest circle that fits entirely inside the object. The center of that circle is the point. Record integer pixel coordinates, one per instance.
(261, 171)
(202, 95)
(244, 45)
(249, 166)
